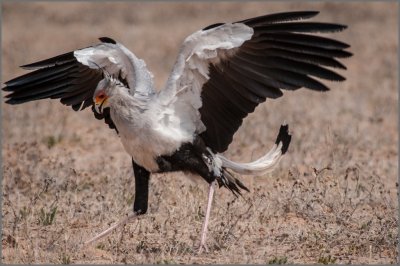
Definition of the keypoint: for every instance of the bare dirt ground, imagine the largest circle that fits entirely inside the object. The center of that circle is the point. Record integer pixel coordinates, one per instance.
(333, 197)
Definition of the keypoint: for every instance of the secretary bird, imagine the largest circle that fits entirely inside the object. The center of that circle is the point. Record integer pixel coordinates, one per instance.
(221, 74)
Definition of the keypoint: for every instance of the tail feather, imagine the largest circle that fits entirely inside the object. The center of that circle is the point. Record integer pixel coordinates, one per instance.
(229, 181)
(220, 165)
(267, 162)
(284, 137)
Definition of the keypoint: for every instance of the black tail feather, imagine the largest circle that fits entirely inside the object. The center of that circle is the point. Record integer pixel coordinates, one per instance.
(284, 137)
(228, 180)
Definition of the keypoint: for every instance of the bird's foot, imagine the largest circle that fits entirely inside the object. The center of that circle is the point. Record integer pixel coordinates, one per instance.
(202, 246)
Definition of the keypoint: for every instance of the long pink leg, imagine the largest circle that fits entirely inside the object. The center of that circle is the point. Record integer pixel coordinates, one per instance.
(205, 224)
(120, 223)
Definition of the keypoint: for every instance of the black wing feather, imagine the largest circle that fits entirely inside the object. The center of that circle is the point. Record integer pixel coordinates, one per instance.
(280, 55)
(279, 17)
(305, 39)
(296, 56)
(60, 77)
(54, 61)
(299, 27)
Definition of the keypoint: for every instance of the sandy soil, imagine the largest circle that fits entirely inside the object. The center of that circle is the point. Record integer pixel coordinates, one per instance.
(333, 198)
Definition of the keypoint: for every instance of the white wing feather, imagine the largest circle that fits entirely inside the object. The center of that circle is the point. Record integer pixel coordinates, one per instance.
(117, 59)
(182, 93)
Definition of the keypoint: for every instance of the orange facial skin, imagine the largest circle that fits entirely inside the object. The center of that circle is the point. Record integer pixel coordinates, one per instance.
(100, 99)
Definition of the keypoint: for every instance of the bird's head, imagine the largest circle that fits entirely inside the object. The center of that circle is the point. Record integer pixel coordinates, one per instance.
(104, 91)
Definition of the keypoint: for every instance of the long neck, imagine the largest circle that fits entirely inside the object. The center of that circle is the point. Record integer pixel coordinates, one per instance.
(121, 100)
(125, 108)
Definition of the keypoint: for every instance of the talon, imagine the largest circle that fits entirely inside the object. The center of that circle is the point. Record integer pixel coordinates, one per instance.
(201, 248)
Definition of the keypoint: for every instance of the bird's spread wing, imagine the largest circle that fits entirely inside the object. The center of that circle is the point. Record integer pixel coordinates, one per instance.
(225, 70)
(73, 77)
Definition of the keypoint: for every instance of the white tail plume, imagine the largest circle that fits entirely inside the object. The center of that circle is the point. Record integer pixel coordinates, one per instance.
(259, 167)
(264, 164)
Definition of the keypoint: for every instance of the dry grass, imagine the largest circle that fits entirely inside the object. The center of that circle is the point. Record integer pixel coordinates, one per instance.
(333, 198)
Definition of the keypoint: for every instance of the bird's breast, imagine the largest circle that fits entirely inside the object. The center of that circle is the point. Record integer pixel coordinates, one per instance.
(145, 137)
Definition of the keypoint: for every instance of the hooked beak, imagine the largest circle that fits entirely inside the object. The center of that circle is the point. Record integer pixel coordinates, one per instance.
(98, 104)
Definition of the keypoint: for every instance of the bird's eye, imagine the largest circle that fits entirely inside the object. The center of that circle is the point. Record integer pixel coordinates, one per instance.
(101, 96)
